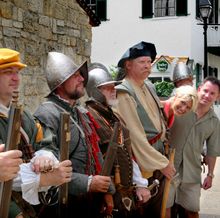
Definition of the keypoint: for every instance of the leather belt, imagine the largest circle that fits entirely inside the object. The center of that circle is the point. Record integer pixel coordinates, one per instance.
(155, 138)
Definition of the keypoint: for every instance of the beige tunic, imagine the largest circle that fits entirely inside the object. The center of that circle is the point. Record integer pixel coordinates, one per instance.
(148, 158)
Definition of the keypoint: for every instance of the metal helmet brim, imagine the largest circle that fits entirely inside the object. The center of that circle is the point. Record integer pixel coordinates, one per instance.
(181, 71)
(110, 82)
(60, 68)
(98, 76)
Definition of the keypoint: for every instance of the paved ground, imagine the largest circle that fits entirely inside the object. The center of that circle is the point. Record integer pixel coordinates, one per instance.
(210, 199)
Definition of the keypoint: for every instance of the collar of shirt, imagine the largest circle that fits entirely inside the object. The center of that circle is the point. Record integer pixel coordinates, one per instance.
(4, 110)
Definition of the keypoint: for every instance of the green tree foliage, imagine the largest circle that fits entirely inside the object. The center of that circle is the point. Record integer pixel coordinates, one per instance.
(163, 88)
(114, 71)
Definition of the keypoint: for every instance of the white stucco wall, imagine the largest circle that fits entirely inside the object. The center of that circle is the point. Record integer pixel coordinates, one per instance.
(214, 61)
(217, 110)
(174, 36)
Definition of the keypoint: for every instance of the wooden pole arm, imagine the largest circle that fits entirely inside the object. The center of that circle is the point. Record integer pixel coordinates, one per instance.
(167, 186)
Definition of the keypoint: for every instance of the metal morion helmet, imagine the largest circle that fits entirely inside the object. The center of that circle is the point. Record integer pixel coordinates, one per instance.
(98, 76)
(60, 67)
(181, 71)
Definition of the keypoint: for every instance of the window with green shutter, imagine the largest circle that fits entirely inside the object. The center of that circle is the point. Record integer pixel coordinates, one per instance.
(99, 7)
(181, 7)
(147, 8)
(162, 8)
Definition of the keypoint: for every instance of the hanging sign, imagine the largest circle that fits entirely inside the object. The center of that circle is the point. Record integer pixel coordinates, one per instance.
(162, 65)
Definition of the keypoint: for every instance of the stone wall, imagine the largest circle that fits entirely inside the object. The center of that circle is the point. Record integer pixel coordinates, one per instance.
(35, 27)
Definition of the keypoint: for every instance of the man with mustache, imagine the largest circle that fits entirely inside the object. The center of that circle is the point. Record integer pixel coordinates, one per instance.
(87, 189)
(142, 112)
(132, 186)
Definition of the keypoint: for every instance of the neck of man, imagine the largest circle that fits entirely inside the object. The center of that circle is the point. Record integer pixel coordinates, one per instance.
(136, 81)
(72, 102)
(5, 100)
(202, 110)
(64, 97)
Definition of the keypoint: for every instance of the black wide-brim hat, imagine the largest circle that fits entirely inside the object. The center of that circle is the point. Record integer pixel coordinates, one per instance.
(139, 50)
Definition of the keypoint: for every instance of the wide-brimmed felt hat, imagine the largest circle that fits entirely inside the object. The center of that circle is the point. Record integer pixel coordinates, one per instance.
(138, 50)
(10, 58)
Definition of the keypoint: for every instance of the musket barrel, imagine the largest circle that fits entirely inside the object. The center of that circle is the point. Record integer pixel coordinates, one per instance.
(64, 155)
(13, 139)
(111, 152)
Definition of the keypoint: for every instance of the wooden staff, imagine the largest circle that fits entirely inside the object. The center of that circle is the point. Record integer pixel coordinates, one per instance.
(65, 137)
(13, 139)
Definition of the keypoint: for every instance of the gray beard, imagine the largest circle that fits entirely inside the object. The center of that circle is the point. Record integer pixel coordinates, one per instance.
(112, 102)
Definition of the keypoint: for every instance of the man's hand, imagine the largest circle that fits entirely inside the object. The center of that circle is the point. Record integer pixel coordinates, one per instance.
(143, 194)
(169, 171)
(60, 174)
(9, 163)
(109, 204)
(42, 164)
(207, 183)
(20, 215)
(100, 183)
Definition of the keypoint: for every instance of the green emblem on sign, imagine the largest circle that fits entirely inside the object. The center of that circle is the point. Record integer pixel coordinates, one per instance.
(162, 65)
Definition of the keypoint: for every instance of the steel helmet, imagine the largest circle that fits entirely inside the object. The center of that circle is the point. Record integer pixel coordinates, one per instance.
(60, 67)
(98, 76)
(181, 71)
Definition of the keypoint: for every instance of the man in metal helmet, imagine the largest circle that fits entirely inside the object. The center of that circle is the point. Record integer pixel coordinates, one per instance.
(182, 75)
(102, 93)
(60, 68)
(99, 76)
(66, 81)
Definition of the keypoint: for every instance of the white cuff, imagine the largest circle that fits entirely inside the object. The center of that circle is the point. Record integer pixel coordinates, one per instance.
(30, 184)
(28, 181)
(45, 153)
(137, 176)
(89, 182)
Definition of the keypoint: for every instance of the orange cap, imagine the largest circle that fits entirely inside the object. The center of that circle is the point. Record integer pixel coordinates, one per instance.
(10, 58)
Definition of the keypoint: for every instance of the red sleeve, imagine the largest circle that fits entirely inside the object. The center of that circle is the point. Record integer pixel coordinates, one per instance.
(170, 118)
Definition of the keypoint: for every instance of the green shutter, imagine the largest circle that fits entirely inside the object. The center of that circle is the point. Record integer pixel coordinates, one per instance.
(101, 7)
(216, 11)
(197, 9)
(147, 8)
(181, 8)
(198, 72)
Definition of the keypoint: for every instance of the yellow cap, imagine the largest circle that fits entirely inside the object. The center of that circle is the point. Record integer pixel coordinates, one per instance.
(10, 58)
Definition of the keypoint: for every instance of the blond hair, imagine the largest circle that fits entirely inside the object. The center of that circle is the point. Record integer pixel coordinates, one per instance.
(187, 93)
